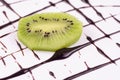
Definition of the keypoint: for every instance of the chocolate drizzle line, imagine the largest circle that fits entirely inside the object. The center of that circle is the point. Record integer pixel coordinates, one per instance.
(8, 6)
(35, 55)
(118, 44)
(3, 45)
(3, 61)
(98, 49)
(4, 48)
(83, 44)
(20, 47)
(115, 19)
(16, 61)
(90, 21)
(58, 55)
(68, 69)
(8, 18)
(29, 13)
(52, 74)
(97, 12)
(90, 70)
(86, 65)
(68, 51)
(32, 75)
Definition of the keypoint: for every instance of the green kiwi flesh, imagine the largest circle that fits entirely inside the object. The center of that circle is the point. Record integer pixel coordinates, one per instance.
(49, 31)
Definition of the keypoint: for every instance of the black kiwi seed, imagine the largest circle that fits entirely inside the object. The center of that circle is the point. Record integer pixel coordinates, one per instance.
(40, 30)
(35, 20)
(57, 20)
(53, 31)
(46, 34)
(28, 28)
(28, 24)
(64, 18)
(46, 19)
(71, 23)
(36, 31)
(42, 18)
(29, 31)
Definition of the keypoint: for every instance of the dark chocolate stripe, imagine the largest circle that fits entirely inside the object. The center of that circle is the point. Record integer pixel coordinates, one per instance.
(86, 65)
(6, 25)
(3, 26)
(17, 2)
(36, 56)
(118, 44)
(3, 45)
(115, 19)
(98, 49)
(52, 74)
(29, 69)
(4, 12)
(97, 12)
(16, 61)
(57, 56)
(8, 6)
(89, 70)
(3, 61)
(20, 47)
(90, 21)
(32, 75)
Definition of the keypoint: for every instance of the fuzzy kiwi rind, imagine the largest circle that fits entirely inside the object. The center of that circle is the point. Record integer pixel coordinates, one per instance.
(49, 39)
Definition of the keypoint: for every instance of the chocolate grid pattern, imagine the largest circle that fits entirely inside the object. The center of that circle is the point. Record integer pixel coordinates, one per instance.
(89, 38)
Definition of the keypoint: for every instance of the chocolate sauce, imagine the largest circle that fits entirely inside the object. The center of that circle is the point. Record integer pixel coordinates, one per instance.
(5, 15)
(5, 25)
(58, 55)
(68, 70)
(32, 75)
(8, 18)
(4, 48)
(98, 13)
(36, 55)
(98, 49)
(86, 65)
(52, 4)
(66, 52)
(3, 45)
(3, 61)
(118, 44)
(89, 70)
(115, 19)
(87, 19)
(16, 61)
(4, 35)
(20, 47)
(9, 7)
(52, 74)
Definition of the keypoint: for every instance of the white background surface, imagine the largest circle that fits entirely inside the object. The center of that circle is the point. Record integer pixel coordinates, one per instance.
(74, 64)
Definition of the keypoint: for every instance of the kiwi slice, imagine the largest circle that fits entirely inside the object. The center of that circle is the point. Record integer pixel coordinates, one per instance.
(49, 31)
